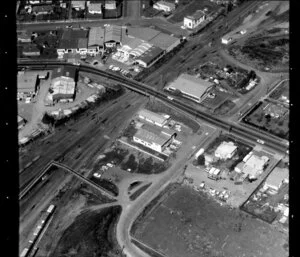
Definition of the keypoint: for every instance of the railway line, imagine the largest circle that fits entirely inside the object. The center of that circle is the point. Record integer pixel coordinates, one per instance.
(250, 134)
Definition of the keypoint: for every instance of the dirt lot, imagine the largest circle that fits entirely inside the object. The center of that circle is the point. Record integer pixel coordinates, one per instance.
(189, 224)
(281, 91)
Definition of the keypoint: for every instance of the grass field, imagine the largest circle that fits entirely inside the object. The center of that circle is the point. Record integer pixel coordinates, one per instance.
(189, 224)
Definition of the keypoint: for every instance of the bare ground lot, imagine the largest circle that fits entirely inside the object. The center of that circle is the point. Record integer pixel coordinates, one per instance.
(189, 224)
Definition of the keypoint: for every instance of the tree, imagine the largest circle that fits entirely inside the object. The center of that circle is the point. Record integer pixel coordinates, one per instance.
(201, 160)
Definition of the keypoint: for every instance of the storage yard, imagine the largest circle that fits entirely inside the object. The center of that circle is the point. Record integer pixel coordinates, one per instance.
(188, 223)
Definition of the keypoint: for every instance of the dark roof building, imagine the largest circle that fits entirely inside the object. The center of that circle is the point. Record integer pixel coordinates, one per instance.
(69, 72)
(73, 39)
(150, 56)
(27, 83)
(96, 37)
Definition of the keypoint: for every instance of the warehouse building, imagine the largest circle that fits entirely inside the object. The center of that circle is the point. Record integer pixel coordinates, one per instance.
(63, 85)
(73, 41)
(225, 150)
(277, 177)
(151, 56)
(190, 87)
(27, 84)
(154, 37)
(154, 138)
(152, 117)
(95, 40)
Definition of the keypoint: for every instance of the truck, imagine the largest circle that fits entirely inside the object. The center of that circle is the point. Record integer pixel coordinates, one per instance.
(201, 151)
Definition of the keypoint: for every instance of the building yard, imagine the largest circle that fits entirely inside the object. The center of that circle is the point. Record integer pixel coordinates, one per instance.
(187, 7)
(271, 117)
(271, 199)
(187, 223)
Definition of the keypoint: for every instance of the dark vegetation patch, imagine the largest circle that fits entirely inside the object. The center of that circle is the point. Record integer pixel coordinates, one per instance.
(91, 234)
(138, 192)
(104, 183)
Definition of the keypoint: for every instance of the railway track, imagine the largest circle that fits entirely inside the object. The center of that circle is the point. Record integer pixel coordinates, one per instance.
(250, 134)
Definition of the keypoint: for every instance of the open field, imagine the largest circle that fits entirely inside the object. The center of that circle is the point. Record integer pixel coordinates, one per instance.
(187, 223)
(258, 117)
(281, 92)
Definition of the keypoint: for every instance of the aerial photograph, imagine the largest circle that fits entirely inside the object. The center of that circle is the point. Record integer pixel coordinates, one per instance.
(153, 128)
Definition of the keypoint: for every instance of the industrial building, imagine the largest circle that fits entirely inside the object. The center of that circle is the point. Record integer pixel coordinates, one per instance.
(225, 150)
(110, 5)
(63, 85)
(78, 5)
(73, 41)
(152, 117)
(27, 84)
(154, 37)
(164, 6)
(149, 57)
(154, 138)
(277, 177)
(253, 165)
(95, 40)
(190, 87)
(192, 21)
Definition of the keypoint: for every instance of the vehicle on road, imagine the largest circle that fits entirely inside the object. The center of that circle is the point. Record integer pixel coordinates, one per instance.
(97, 175)
(260, 141)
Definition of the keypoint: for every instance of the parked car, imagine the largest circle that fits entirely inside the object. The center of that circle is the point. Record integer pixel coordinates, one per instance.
(109, 165)
(97, 175)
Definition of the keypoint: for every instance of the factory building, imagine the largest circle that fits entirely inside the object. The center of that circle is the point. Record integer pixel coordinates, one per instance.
(190, 87)
(152, 117)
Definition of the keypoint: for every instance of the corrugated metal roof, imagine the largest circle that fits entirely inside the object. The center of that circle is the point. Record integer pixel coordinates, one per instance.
(151, 137)
(96, 36)
(163, 40)
(95, 7)
(143, 33)
(113, 33)
(150, 54)
(197, 15)
(155, 117)
(191, 85)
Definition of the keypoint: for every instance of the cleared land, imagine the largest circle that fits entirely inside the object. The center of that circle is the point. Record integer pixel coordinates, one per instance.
(189, 224)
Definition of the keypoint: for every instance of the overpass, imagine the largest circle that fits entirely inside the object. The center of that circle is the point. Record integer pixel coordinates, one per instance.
(251, 134)
(65, 167)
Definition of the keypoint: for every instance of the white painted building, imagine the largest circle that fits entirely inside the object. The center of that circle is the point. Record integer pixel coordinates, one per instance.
(192, 21)
(225, 150)
(152, 117)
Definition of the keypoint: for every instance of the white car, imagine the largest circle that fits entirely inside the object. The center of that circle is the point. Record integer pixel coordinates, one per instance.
(104, 167)
(109, 165)
(111, 66)
(243, 31)
(202, 185)
(97, 175)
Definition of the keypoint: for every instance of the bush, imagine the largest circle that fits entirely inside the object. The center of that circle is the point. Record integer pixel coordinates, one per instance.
(201, 160)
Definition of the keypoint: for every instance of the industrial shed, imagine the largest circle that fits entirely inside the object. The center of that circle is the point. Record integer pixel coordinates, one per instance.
(190, 87)
(152, 117)
(150, 56)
